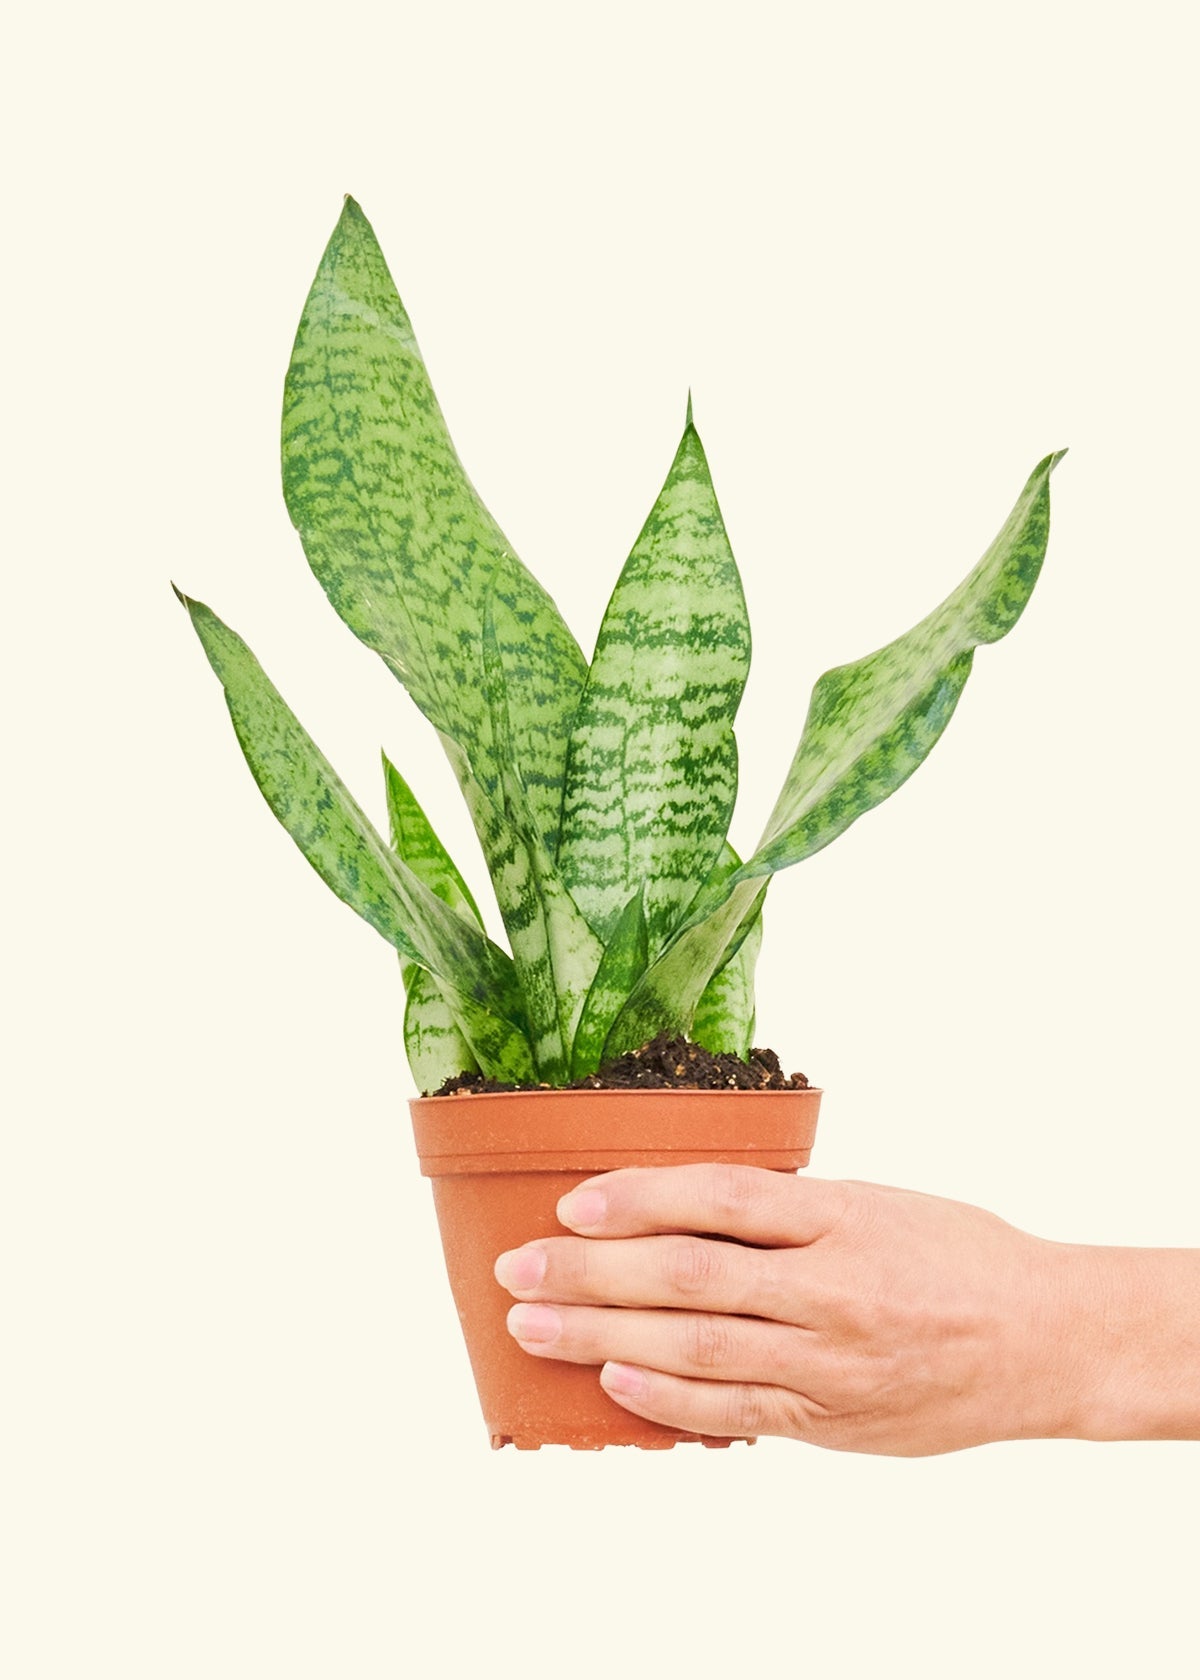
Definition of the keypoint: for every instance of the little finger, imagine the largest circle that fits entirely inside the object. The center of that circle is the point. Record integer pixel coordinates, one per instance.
(710, 1408)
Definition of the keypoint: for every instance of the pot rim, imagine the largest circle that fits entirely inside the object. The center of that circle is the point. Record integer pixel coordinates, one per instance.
(622, 1091)
(605, 1129)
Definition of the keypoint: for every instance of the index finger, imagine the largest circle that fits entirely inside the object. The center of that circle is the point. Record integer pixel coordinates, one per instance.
(752, 1204)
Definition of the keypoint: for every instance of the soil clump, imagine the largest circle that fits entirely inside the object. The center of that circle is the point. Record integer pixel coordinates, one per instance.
(662, 1064)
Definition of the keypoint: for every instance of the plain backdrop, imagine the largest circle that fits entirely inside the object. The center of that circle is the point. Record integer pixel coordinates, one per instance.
(898, 253)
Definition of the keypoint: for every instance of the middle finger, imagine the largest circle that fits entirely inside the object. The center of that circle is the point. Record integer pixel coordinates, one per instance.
(662, 1271)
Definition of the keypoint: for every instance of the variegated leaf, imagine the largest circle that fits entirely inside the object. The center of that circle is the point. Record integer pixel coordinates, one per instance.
(413, 837)
(870, 725)
(497, 1046)
(555, 952)
(433, 1040)
(311, 802)
(621, 967)
(652, 767)
(724, 1018)
(395, 531)
(666, 998)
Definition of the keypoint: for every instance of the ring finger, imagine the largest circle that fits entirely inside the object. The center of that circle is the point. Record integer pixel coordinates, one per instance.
(686, 1344)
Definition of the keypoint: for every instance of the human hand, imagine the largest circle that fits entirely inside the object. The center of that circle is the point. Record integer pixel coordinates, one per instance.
(848, 1315)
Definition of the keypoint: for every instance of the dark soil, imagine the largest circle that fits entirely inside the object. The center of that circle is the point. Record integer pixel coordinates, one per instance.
(664, 1063)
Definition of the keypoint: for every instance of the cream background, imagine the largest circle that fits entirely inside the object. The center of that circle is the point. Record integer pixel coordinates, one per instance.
(899, 253)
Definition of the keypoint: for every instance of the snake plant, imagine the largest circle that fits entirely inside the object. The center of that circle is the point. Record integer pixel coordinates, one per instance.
(601, 793)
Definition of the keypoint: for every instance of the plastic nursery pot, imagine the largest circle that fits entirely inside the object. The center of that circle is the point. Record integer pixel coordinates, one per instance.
(499, 1163)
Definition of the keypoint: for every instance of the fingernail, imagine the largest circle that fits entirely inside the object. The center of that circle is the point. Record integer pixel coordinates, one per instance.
(622, 1379)
(582, 1208)
(521, 1268)
(534, 1324)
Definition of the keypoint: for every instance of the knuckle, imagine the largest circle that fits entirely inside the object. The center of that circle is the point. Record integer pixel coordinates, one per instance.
(862, 1386)
(732, 1189)
(782, 1354)
(746, 1410)
(568, 1263)
(871, 1321)
(859, 1210)
(692, 1267)
(580, 1258)
(771, 1289)
(756, 1409)
(707, 1343)
(802, 1417)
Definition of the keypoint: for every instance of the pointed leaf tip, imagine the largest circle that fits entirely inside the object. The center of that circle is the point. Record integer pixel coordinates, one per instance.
(179, 595)
(633, 806)
(395, 532)
(689, 421)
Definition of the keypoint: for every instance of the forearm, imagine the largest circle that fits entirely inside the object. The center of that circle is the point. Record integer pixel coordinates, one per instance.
(1132, 1344)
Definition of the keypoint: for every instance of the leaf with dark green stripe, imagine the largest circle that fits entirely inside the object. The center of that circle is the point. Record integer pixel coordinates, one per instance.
(502, 1050)
(525, 916)
(724, 1018)
(515, 883)
(396, 533)
(652, 768)
(414, 839)
(666, 998)
(555, 951)
(433, 1039)
(621, 967)
(870, 724)
(311, 802)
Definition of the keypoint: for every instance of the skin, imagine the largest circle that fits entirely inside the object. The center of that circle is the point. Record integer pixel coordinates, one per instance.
(734, 1301)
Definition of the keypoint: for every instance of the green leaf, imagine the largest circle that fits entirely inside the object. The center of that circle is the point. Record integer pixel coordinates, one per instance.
(555, 952)
(414, 839)
(500, 1048)
(621, 967)
(666, 998)
(310, 800)
(724, 1018)
(652, 767)
(870, 725)
(433, 1040)
(396, 533)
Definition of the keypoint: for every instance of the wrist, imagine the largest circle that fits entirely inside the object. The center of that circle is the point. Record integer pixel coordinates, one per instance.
(1128, 1366)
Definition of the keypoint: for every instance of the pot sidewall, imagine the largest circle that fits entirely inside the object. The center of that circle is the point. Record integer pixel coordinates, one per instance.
(496, 1185)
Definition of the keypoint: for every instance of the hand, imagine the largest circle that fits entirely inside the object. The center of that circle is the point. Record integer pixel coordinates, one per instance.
(844, 1314)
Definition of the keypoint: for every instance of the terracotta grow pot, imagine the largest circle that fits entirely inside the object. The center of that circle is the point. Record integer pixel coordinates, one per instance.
(499, 1163)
